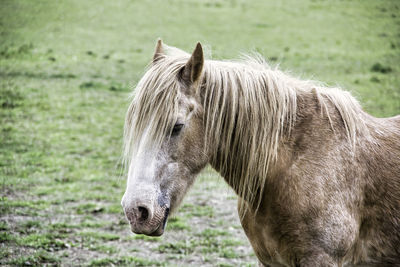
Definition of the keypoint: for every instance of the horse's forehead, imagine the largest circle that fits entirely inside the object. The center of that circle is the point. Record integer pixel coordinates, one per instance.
(186, 102)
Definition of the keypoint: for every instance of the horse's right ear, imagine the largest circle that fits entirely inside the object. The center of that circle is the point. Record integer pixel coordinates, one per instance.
(192, 70)
(159, 53)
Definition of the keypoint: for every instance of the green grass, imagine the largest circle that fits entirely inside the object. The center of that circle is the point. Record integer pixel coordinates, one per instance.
(178, 223)
(198, 211)
(39, 258)
(6, 237)
(100, 236)
(104, 249)
(46, 241)
(180, 247)
(124, 261)
(66, 73)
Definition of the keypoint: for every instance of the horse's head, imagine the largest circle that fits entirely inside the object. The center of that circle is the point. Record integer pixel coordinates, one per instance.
(164, 140)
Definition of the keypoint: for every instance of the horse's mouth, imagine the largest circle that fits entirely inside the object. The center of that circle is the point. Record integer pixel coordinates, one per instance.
(160, 230)
(165, 218)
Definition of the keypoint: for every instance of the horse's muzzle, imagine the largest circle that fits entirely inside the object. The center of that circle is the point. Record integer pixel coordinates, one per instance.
(147, 221)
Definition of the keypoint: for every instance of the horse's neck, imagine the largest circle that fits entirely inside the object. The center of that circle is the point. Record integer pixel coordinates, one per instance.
(290, 143)
(232, 161)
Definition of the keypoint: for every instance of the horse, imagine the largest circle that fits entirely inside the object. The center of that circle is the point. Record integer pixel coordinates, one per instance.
(317, 178)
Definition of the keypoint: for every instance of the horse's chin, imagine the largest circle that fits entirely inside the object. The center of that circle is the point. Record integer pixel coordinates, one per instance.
(158, 232)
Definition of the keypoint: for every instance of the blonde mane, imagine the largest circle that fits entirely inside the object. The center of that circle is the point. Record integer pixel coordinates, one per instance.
(248, 108)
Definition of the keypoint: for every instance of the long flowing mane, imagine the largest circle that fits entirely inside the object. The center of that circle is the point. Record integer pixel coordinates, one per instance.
(248, 108)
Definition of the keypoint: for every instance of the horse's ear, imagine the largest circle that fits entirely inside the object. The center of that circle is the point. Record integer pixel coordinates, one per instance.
(159, 53)
(192, 70)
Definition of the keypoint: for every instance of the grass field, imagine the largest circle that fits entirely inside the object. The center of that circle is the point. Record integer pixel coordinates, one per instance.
(66, 70)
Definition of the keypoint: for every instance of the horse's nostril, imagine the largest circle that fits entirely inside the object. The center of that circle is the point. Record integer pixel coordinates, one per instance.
(143, 213)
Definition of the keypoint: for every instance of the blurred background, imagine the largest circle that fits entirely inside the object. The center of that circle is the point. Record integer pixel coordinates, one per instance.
(66, 71)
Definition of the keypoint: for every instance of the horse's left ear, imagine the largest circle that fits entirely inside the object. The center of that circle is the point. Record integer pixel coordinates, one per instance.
(192, 70)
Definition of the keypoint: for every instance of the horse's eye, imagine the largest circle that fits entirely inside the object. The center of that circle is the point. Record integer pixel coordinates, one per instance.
(177, 128)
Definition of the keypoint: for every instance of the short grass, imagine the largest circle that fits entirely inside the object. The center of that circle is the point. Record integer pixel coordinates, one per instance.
(66, 71)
